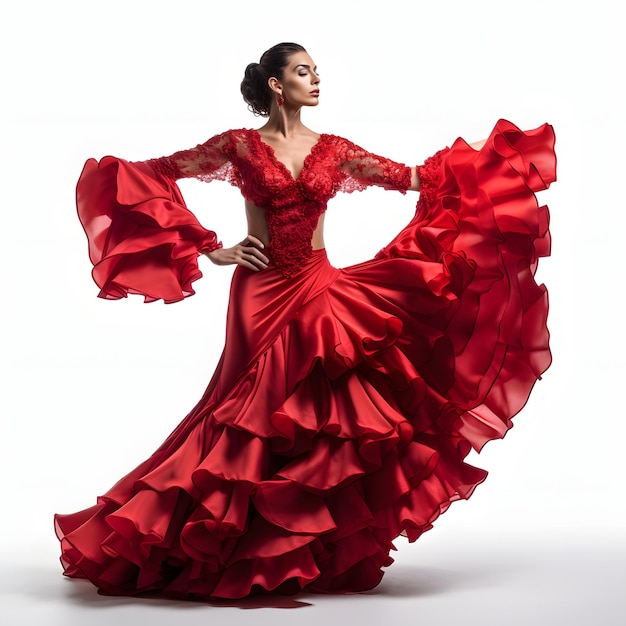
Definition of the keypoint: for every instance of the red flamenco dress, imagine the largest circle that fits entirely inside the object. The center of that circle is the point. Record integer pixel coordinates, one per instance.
(345, 400)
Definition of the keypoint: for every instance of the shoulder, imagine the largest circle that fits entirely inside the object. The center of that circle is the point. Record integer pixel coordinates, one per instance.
(333, 139)
(342, 148)
(230, 136)
(230, 143)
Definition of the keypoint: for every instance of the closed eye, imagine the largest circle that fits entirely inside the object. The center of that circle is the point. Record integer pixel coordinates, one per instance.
(307, 68)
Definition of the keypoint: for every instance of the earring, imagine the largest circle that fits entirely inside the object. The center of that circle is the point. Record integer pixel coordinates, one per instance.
(280, 100)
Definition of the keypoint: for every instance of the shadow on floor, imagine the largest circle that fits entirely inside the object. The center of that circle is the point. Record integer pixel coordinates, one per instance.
(401, 581)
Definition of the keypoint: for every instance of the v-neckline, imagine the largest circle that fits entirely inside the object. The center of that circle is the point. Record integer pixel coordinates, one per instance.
(272, 155)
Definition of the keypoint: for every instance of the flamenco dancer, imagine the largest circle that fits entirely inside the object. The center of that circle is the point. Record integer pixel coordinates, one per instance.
(345, 400)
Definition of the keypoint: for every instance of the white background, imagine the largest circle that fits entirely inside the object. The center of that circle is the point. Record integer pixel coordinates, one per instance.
(90, 388)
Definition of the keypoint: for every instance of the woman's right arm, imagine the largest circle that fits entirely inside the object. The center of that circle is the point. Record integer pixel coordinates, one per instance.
(207, 161)
(210, 161)
(142, 237)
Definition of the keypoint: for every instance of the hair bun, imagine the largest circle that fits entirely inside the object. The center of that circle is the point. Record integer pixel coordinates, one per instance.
(254, 87)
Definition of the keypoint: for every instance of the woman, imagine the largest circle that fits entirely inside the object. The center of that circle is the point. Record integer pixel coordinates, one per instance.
(345, 400)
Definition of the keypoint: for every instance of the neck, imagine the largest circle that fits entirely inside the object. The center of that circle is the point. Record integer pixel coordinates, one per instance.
(284, 121)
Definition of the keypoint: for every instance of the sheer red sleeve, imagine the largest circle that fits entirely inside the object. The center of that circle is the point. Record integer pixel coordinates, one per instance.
(207, 161)
(364, 168)
(142, 237)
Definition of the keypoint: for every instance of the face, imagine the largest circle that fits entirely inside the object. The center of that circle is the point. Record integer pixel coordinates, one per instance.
(299, 84)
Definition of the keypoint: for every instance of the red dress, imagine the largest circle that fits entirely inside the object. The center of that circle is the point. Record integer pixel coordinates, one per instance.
(346, 400)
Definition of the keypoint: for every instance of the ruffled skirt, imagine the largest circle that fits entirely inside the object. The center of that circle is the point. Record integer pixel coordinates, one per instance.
(345, 401)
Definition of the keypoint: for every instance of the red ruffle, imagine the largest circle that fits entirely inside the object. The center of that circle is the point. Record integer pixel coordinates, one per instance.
(482, 222)
(345, 401)
(142, 238)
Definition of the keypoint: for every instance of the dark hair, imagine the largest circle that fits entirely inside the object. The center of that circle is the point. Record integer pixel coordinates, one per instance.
(254, 87)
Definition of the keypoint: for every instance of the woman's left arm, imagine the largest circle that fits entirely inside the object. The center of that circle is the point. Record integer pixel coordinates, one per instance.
(367, 168)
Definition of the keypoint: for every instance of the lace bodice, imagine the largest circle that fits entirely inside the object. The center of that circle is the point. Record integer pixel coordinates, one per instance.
(293, 205)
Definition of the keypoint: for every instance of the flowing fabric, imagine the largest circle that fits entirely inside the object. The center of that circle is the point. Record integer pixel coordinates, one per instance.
(345, 401)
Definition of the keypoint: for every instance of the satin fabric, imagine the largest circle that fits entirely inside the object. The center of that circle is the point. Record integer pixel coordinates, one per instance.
(345, 401)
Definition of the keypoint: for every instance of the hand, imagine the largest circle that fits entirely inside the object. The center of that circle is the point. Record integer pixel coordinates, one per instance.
(246, 253)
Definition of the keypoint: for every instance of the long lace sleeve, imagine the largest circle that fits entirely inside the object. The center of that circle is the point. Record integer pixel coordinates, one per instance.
(142, 237)
(364, 168)
(207, 161)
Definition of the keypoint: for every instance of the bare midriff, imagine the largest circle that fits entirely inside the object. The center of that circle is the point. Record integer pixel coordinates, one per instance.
(257, 226)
